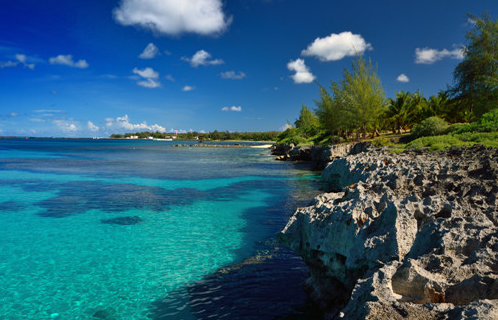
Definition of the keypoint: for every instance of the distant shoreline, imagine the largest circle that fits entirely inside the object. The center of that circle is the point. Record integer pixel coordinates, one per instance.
(106, 138)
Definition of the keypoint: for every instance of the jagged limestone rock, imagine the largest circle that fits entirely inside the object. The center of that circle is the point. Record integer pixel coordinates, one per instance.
(411, 235)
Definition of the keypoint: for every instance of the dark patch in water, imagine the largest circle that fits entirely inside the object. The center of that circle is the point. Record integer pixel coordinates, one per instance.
(79, 196)
(106, 314)
(11, 206)
(260, 287)
(62, 206)
(124, 221)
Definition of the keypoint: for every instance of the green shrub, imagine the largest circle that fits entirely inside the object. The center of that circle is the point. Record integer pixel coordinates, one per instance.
(435, 142)
(295, 140)
(432, 126)
(382, 142)
(458, 128)
(443, 142)
(488, 122)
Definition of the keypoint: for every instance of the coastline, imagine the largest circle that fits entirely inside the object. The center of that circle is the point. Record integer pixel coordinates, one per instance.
(411, 235)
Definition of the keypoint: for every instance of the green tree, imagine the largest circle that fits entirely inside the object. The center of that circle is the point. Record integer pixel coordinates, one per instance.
(330, 116)
(418, 109)
(307, 123)
(398, 111)
(438, 105)
(361, 96)
(476, 77)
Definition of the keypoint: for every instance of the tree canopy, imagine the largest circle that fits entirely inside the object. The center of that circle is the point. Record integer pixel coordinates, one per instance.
(307, 122)
(356, 102)
(476, 77)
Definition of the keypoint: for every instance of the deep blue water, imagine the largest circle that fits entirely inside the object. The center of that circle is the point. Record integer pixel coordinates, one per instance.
(120, 229)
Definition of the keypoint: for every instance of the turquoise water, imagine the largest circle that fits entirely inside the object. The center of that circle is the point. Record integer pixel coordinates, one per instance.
(105, 229)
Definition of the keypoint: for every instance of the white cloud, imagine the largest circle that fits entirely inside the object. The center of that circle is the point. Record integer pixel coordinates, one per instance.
(201, 58)
(149, 83)
(174, 17)
(49, 112)
(156, 127)
(109, 76)
(232, 108)
(65, 125)
(302, 75)
(286, 126)
(21, 58)
(67, 60)
(7, 64)
(337, 46)
(151, 51)
(403, 78)
(150, 77)
(121, 123)
(188, 88)
(92, 127)
(233, 75)
(429, 56)
(169, 77)
(147, 73)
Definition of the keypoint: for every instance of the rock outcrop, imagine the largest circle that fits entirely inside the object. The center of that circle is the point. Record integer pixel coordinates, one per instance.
(403, 236)
(320, 156)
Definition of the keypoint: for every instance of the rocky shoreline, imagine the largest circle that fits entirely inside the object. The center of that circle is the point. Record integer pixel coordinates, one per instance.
(401, 236)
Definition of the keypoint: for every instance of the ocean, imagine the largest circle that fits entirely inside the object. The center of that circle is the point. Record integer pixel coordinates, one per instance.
(136, 229)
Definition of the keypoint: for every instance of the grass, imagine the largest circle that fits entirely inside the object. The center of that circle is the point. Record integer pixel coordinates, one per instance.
(444, 142)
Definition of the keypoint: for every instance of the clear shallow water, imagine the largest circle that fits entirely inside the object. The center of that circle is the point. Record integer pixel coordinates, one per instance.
(106, 229)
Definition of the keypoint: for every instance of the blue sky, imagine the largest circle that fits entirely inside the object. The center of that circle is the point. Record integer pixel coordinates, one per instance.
(97, 67)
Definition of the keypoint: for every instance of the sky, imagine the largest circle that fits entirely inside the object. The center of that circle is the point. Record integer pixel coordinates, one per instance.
(97, 67)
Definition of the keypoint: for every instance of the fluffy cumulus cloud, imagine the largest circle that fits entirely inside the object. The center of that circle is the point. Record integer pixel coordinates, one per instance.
(337, 46)
(123, 123)
(429, 56)
(67, 60)
(202, 58)
(149, 76)
(402, 78)
(302, 73)
(92, 127)
(188, 88)
(150, 52)
(233, 75)
(232, 108)
(148, 73)
(66, 126)
(173, 17)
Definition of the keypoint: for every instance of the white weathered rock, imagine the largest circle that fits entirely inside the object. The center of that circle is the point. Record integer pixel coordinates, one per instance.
(411, 235)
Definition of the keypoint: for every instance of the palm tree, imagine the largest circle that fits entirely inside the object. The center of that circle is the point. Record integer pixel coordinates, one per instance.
(398, 111)
(437, 105)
